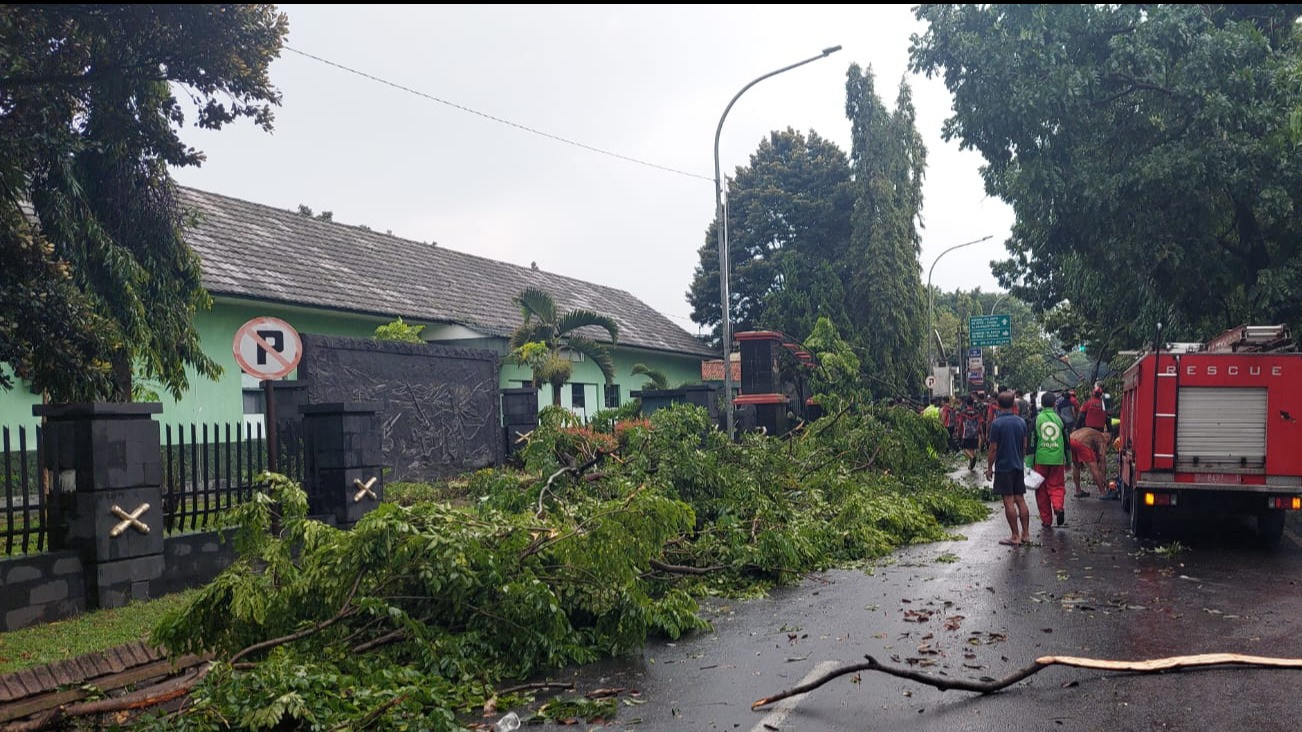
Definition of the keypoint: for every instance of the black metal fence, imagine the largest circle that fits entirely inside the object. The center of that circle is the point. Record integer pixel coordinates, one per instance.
(25, 526)
(209, 468)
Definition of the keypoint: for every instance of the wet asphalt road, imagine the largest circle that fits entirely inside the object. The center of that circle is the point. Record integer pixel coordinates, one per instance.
(971, 608)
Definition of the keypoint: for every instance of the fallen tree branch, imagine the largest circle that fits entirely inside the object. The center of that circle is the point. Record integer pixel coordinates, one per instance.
(682, 568)
(375, 714)
(391, 637)
(535, 686)
(808, 471)
(552, 537)
(346, 609)
(871, 459)
(542, 494)
(573, 469)
(823, 427)
(1156, 665)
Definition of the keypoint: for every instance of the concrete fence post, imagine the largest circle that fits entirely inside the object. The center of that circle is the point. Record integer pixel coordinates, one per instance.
(519, 417)
(106, 500)
(344, 459)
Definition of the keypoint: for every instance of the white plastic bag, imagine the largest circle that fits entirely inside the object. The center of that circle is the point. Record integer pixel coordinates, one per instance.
(1033, 480)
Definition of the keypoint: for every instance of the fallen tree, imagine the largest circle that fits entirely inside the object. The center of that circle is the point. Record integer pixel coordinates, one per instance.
(1157, 665)
(423, 612)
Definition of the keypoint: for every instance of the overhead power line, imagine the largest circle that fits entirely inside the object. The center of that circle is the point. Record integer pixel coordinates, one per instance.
(499, 120)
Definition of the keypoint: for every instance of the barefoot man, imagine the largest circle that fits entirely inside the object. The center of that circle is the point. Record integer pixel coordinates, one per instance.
(1005, 461)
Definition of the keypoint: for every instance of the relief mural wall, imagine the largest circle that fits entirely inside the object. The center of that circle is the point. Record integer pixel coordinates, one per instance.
(438, 404)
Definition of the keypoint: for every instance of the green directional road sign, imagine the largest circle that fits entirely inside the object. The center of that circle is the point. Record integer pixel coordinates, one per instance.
(990, 330)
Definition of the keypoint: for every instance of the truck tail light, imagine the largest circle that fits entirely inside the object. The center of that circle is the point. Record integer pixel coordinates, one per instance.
(1285, 503)
(1159, 499)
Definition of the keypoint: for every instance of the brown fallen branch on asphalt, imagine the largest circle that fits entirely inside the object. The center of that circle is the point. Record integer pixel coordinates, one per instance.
(989, 687)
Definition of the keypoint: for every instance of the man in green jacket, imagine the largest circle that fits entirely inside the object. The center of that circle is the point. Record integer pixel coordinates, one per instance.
(1048, 456)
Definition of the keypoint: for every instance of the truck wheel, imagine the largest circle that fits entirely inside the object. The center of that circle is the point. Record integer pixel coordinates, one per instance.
(1270, 528)
(1127, 497)
(1141, 520)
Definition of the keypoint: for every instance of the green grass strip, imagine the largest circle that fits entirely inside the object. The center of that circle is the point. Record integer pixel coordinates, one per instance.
(86, 633)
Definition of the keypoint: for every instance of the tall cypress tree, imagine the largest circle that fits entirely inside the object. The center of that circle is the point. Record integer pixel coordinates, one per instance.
(885, 296)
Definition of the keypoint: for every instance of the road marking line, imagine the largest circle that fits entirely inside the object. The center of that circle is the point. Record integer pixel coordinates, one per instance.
(1297, 540)
(775, 718)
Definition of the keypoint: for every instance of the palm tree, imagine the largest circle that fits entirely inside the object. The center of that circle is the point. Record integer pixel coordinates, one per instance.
(538, 341)
(655, 378)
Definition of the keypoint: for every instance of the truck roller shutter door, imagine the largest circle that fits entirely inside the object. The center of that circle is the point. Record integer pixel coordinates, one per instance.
(1221, 428)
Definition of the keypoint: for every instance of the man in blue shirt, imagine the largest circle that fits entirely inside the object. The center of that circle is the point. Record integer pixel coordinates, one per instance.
(1005, 461)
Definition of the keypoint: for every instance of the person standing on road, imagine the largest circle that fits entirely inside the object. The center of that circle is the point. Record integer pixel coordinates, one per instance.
(1092, 414)
(1022, 405)
(993, 408)
(1066, 408)
(1005, 463)
(969, 430)
(1049, 458)
(947, 421)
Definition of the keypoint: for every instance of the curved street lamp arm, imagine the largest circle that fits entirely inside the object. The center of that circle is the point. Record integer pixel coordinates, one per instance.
(718, 131)
(931, 297)
(947, 251)
(996, 302)
(722, 224)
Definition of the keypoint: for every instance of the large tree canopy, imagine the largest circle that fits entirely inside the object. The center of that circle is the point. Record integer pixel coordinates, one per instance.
(1149, 152)
(95, 278)
(788, 223)
(814, 233)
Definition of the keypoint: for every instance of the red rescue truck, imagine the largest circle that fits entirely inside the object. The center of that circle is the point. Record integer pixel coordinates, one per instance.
(1215, 429)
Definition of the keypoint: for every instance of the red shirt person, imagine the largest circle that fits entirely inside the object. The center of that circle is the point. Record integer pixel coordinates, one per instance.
(1092, 414)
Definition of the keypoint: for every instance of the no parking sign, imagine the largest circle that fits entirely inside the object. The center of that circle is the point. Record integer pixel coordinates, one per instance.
(267, 348)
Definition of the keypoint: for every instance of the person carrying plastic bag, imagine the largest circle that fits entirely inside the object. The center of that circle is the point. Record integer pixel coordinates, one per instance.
(1048, 458)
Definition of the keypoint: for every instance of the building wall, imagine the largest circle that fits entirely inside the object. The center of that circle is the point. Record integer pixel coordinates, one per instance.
(16, 405)
(221, 401)
(678, 369)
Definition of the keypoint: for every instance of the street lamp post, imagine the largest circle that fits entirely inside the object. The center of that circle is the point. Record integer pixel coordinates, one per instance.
(996, 303)
(722, 224)
(931, 297)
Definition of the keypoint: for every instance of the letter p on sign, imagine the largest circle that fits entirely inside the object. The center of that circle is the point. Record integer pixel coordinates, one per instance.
(267, 348)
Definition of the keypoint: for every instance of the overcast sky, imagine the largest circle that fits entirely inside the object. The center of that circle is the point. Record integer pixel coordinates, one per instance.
(645, 82)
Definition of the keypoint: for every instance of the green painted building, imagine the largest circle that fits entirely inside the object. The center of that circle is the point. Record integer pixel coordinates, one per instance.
(329, 278)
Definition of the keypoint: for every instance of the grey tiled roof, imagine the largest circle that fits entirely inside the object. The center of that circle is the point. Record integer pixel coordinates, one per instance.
(256, 251)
